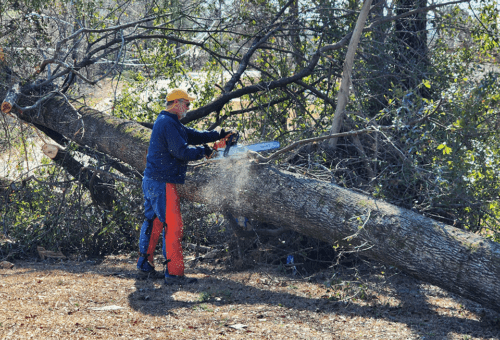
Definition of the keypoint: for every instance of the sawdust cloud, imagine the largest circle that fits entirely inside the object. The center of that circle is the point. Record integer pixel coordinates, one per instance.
(229, 181)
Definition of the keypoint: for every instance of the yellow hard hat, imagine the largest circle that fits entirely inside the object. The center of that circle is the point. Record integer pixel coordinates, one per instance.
(179, 94)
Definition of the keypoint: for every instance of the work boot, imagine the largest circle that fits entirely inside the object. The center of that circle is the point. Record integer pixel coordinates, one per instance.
(145, 271)
(179, 280)
(149, 275)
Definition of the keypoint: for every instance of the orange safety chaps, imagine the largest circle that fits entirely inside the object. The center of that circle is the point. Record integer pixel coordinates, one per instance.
(172, 231)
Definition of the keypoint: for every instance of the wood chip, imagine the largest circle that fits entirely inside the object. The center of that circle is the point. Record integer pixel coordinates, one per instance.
(238, 326)
(6, 265)
(213, 254)
(104, 308)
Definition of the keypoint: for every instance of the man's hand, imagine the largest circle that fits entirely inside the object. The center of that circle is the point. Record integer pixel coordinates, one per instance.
(223, 133)
(209, 152)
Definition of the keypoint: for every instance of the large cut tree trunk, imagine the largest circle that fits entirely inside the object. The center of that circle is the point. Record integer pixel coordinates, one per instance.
(460, 262)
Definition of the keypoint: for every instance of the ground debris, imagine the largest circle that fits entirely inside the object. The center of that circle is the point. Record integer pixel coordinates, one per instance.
(74, 300)
(50, 254)
(104, 308)
(6, 265)
(238, 326)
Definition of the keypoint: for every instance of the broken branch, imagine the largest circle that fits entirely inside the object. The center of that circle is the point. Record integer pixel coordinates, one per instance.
(11, 98)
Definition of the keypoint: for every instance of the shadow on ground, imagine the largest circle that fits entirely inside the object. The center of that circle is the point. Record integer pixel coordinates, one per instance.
(428, 311)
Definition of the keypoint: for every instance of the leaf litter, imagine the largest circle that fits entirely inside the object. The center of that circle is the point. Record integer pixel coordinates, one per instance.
(92, 300)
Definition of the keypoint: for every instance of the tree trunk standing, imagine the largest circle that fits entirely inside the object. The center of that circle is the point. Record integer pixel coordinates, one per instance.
(376, 78)
(411, 43)
(460, 262)
(299, 61)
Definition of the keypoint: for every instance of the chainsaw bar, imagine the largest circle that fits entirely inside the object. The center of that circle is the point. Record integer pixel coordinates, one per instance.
(238, 149)
(265, 146)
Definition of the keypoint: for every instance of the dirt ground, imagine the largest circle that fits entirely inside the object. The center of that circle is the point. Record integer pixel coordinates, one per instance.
(103, 299)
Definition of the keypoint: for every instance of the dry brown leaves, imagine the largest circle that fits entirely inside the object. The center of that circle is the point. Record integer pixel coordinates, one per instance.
(83, 300)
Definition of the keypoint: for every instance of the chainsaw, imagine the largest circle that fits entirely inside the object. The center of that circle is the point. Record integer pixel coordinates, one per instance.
(229, 146)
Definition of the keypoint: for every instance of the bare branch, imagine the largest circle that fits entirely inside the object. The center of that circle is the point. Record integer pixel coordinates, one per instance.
(370, 129)
(109, 29)
(292, 146)
(67, 67)
(343, 94)
(38, 103)
(244, 62)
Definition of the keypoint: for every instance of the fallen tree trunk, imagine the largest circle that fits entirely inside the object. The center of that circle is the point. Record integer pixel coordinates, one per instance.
(123, 139)
(460, 262)
(102, 157)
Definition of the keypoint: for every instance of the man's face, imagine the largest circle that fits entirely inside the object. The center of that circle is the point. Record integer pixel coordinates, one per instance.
(183, 107)
(179, 107)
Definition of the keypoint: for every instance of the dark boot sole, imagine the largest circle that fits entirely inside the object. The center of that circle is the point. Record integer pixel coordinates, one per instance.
(153, 275)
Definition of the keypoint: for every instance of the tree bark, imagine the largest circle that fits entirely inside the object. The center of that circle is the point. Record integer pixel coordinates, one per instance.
(458, 261)
(411, 45)
(123, 139)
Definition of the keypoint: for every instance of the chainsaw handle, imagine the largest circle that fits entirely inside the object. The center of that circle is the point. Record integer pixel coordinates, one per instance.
(226, 143)
(232, 140)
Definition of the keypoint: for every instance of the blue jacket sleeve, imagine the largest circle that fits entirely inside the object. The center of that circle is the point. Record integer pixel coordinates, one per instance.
(196, 137)
(178, 146)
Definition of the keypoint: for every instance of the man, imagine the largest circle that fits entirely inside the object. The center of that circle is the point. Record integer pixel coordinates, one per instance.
(168, 155)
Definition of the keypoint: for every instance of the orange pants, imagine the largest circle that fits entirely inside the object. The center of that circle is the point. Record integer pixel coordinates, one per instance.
(173, 233)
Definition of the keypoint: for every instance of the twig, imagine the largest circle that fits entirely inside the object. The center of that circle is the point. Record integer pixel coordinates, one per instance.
(114, 28)
(348, 238)
(68, 69)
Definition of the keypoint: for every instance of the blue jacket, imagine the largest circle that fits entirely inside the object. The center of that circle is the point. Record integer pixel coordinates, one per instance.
(169, 153)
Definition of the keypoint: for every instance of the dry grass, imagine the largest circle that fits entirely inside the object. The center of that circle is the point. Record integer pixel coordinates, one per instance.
(61, 300)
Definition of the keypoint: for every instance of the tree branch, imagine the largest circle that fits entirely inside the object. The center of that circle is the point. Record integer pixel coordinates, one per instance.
(101, 193)
(343, 95)
(11, 98)
(370, 129)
